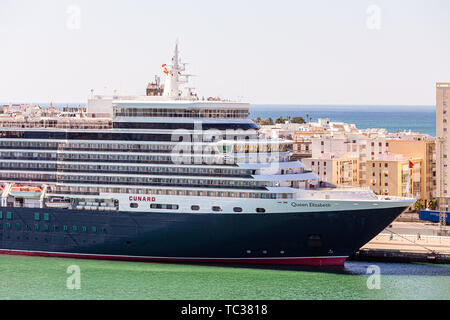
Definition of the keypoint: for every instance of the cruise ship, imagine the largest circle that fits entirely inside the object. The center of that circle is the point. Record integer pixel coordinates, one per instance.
(171, 177)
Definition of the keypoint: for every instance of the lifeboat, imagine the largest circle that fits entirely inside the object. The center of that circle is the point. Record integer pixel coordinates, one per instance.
(60, 203)
(19, 191)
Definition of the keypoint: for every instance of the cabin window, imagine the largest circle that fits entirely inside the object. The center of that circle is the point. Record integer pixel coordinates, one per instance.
(1, 215)
(260, 210)
(65, 228)
(8, 226)
(46, 227)
(237, 209)
(195, 208)
(36, 227)
(94, 229)
(18, 226)
(164, 206)
(37, 217)
(9, 215)
(216, 209)
(75, 228)
(134, 205)
(46, 217)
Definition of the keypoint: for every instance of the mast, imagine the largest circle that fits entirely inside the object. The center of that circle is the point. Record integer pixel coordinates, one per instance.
(173, 72)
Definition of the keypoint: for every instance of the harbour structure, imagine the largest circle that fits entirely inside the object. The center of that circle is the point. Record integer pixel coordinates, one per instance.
(172, 177)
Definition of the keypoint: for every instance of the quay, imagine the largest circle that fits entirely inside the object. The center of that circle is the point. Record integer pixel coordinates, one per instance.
(408, 242)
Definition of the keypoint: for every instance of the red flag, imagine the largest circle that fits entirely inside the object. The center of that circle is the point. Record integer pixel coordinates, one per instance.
(411, 165)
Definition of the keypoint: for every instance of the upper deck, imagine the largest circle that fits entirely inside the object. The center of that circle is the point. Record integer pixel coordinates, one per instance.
(104, 113)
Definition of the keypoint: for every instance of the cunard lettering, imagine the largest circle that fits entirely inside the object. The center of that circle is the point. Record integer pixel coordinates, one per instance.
(142, 198)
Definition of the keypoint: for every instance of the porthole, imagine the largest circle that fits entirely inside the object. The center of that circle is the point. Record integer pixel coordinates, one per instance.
(195, 208)
(237, 209)
(216, 209)
(260, 210)
(134, 205)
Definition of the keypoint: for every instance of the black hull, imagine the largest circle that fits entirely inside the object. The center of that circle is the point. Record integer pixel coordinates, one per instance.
(294, 238)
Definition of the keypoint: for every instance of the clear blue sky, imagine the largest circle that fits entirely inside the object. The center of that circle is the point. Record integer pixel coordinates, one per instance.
(299, 52)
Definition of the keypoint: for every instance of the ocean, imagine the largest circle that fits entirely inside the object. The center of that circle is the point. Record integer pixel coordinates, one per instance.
(46, 278)
(392, 118)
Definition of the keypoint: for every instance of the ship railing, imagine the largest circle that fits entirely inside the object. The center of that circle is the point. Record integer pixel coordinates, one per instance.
(343, 194)
(392, 198)
(97, 124)
(65, 193)
(354, 188)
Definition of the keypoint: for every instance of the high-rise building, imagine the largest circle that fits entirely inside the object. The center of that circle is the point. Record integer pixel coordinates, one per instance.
(442, 143)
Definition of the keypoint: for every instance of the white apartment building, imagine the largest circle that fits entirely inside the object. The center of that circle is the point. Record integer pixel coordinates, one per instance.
(360, 146)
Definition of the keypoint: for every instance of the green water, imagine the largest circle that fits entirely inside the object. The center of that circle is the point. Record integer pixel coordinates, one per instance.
(45, 278)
